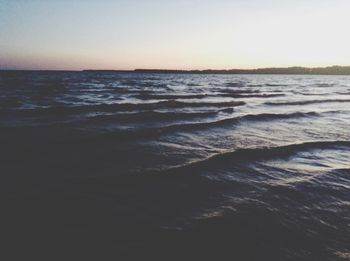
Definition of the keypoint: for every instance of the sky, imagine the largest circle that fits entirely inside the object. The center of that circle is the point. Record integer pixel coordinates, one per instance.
(181, 34)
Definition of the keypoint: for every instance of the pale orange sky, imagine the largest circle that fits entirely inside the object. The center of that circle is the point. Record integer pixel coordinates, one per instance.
(191, 34)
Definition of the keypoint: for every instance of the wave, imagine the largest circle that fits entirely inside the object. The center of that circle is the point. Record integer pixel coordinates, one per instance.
(275, 85)
(255, 85)
(230, 94)
(234, 120)
(192, 84)
(234, 91)
(227, 160)
(242, 96)
(172, 96)
(120, 90)
(136, 83)
(151, 116)
(252, 117)
(241, 155)
(278, 116)
(310, 94)
(121, 107)
(324, 85)
(235, 84)
(343, 93)
(308, 102)
(155, 132)
(321, 94)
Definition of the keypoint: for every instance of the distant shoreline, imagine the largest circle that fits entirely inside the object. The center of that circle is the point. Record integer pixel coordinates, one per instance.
(331, 70)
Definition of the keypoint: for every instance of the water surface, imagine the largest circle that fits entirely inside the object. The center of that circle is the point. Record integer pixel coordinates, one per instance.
(176, 165)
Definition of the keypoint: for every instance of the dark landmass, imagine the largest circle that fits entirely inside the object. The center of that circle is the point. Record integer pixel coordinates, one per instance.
(331, 70)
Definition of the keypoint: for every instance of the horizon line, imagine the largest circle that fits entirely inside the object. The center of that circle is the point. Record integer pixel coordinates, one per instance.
(326, 70)
(185, 70)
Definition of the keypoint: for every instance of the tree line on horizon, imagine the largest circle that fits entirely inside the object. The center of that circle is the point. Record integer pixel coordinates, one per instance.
(331, 70)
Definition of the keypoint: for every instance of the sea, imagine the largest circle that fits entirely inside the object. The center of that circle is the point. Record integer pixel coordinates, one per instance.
(167, 166)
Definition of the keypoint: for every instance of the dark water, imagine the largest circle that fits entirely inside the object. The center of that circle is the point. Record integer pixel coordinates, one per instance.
(185, 167)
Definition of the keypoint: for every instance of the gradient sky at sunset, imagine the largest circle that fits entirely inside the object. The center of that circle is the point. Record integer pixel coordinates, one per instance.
(181, 34)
